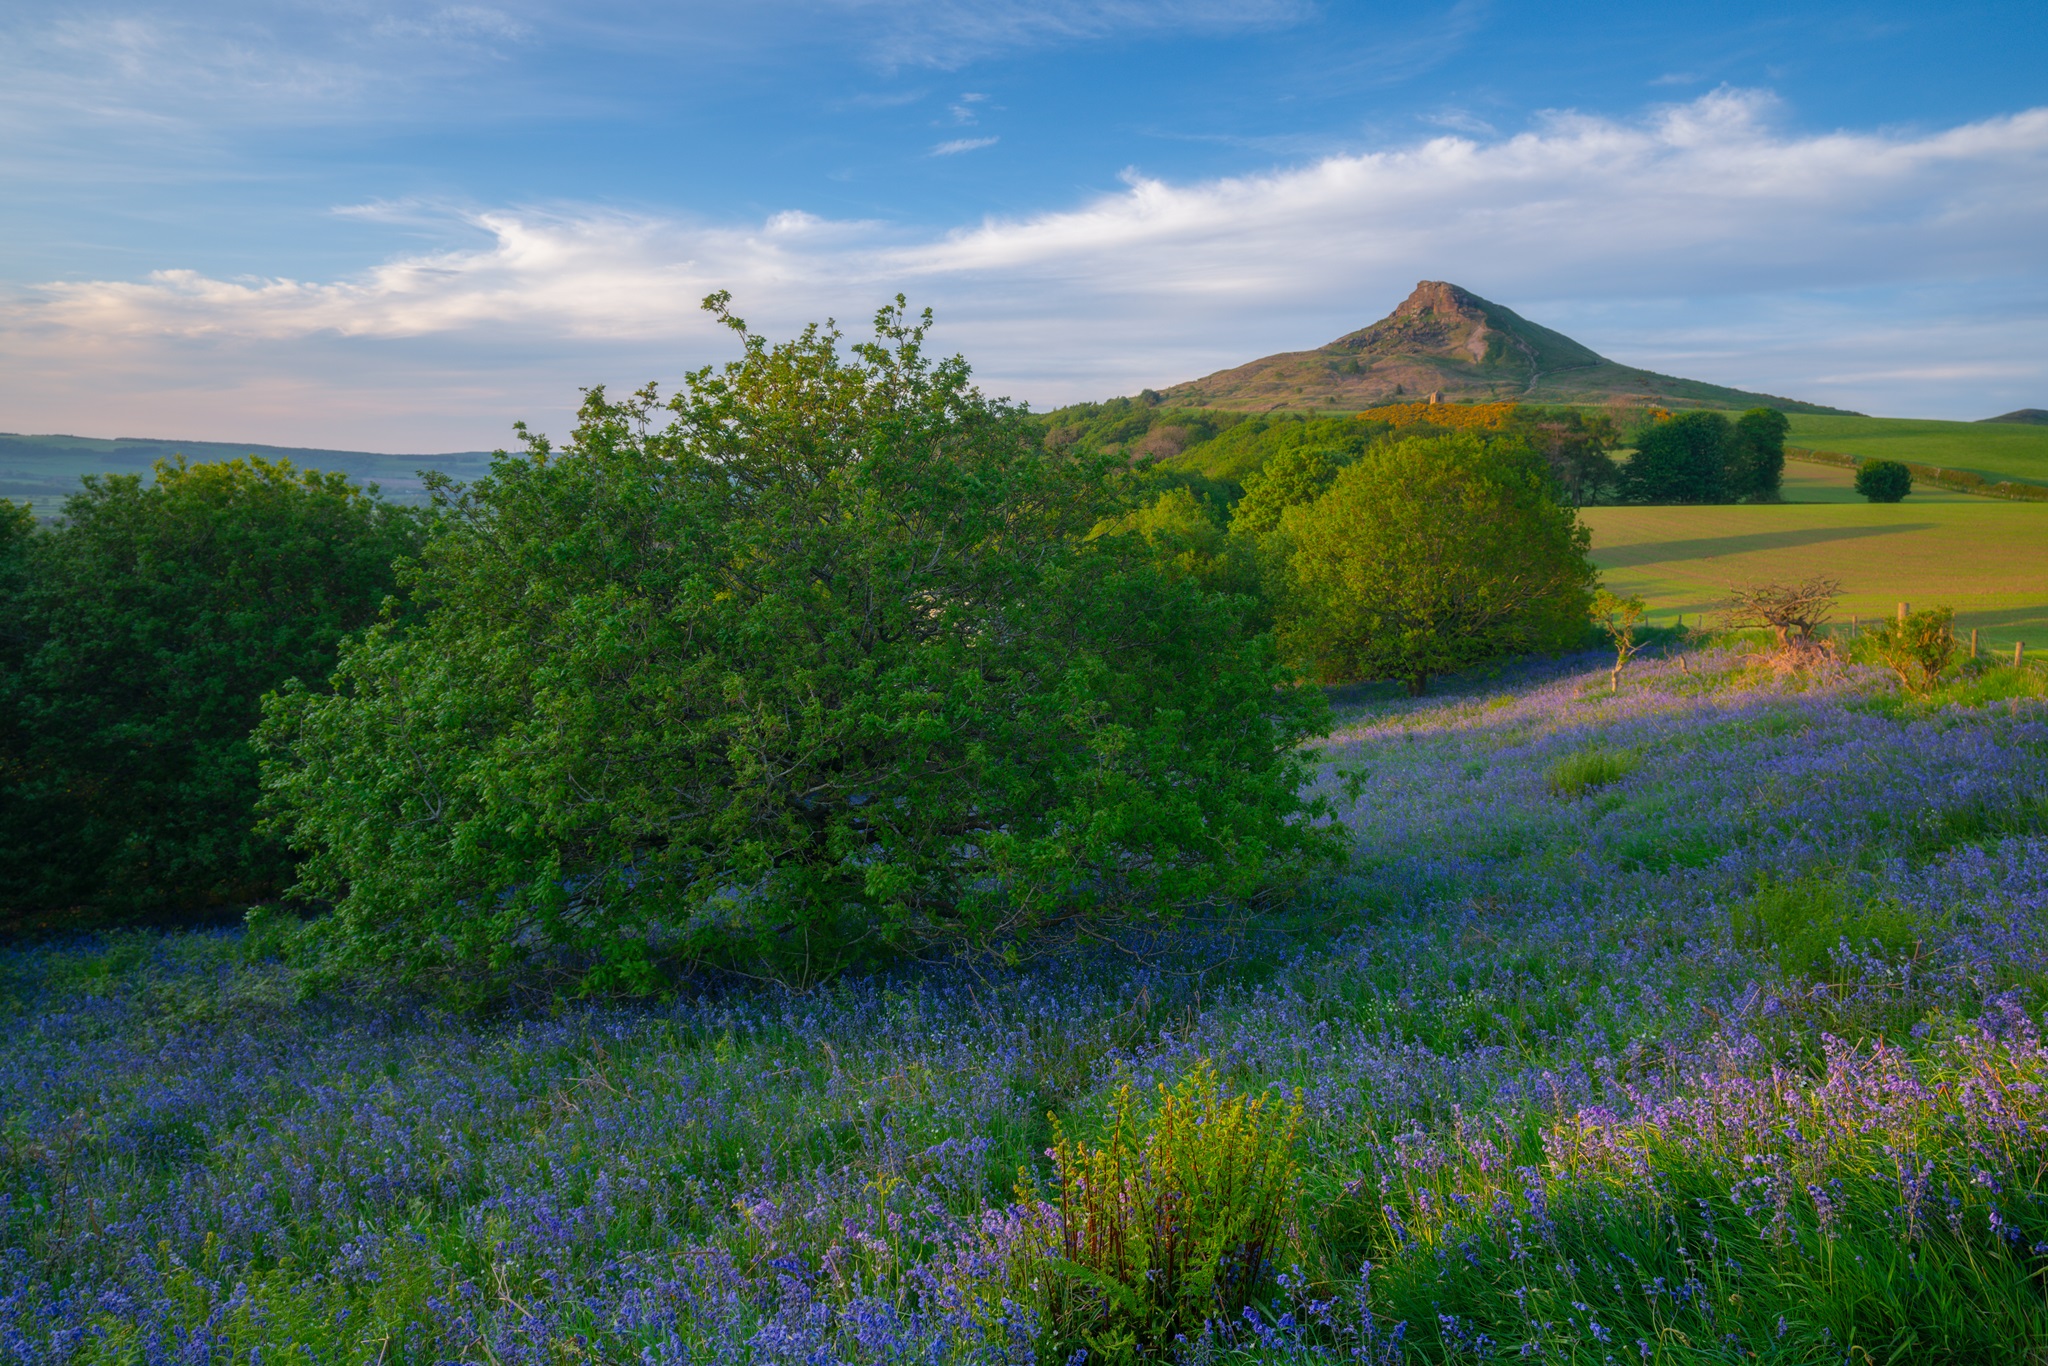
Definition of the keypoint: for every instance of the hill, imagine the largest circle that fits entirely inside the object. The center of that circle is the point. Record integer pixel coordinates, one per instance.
(1448, 341)
(1995, 450)
(44, 470)
(2031, 417)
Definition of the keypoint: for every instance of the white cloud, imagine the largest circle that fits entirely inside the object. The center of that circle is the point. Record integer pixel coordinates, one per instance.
(1698, 240)
(959, 145)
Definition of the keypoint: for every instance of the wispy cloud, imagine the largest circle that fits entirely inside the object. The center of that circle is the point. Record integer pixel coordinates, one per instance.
(959, 145)
(1694, 213)
(950, 33)
(1460, 121)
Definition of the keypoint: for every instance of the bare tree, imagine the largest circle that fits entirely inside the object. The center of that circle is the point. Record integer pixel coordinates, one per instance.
(1791, 612)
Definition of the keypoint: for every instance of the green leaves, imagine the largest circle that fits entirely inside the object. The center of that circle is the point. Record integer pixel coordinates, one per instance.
(1431, 555)
(143, 633)
(825, 668)
(1756, 465)
(1682, 459)
(1163, 1230)
(1883, 481)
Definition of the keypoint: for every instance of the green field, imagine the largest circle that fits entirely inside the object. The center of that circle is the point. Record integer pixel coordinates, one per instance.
(1985, 558)
(1996, 450)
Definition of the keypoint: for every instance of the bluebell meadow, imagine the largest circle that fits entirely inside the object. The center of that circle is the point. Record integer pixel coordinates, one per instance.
(1726, 1050)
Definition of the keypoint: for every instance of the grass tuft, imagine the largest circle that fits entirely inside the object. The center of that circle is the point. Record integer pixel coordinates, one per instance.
(1577, 774)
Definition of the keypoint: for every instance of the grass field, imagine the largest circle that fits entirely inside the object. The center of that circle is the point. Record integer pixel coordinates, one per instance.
(1985, 558)
(2000, 450)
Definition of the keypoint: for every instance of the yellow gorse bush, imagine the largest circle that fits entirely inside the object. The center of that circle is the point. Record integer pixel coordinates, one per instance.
(1450, 416)
(1168, 1223)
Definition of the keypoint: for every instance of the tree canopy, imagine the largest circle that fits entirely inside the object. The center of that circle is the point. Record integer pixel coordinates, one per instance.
(1702, 457)
(1756, 462)
(1296, 474)
(825, 666)
(1883, 481)
(1681, 459)
(1429, 555)
(141, 635)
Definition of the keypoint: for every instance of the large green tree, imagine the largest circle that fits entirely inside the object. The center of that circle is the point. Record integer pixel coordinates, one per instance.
(141, 635)
(827, 666)
(1430, 555)
(1681, 459)
(1756, 457)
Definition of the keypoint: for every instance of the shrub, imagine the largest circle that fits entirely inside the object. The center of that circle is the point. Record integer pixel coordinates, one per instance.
(1791, 612)
(1682, 459)
(826, 669)
(1883, 481)
(144, 632)
(1576, 774)
(1430, 555)
(1918, 647)
(1161, 1232)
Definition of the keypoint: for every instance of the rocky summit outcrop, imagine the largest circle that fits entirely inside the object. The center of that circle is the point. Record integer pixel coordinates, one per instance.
(1447, 342)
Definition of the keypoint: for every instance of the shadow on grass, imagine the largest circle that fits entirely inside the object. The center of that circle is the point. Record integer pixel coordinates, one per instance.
(1714, 547)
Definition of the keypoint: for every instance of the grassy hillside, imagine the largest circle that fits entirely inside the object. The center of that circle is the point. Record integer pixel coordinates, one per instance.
(44, 470)
(1623, 1030)
(1996, 450)
(1988, 560)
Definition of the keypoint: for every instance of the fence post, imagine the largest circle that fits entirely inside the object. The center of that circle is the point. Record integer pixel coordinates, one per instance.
(1902, 614)
(2019, 653)
(1973, 642)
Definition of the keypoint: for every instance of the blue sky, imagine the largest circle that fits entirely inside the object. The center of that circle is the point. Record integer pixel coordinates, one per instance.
(402, 227)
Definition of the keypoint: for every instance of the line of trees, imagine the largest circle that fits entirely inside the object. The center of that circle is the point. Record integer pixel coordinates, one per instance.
(1689, 457)
(826, 657)
(1703, 457)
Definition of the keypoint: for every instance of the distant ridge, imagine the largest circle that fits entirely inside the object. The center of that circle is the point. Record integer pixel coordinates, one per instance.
(143, 450)
(2032, 417)
(45, 470)
(1447, 341)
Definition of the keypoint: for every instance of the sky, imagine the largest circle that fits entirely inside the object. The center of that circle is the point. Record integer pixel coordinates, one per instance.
(353, 224)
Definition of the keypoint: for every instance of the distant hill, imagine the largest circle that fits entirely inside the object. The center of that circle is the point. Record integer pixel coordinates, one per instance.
(2032, 417)
(1448, 341)
(44, 470)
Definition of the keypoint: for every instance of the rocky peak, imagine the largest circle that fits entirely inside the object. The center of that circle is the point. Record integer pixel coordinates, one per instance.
(1444, 299)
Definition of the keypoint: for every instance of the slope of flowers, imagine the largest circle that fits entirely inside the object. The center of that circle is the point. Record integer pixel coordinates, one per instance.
(1634, 1069)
